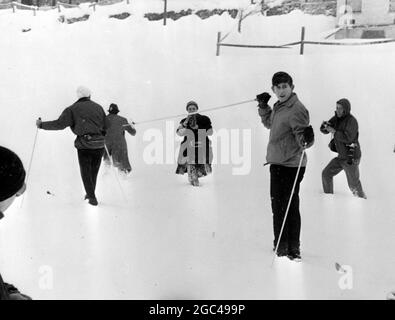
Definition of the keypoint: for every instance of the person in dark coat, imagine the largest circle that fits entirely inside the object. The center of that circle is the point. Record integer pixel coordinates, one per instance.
(290, 134)
(12, 181)
(195, 156)
(86, 120)
(344, 128)
(115, 139)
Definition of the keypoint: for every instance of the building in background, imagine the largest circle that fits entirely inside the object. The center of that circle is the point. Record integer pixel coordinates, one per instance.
(366, 19)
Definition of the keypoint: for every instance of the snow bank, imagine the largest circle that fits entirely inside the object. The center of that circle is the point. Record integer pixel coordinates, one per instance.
(168, 240)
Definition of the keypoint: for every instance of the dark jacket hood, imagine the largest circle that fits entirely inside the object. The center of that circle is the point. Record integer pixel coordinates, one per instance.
(346, 106)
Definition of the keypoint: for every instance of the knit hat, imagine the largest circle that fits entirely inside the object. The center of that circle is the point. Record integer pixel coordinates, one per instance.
(281, 77)
(192, 103)
(12, 173)
(113, 108)
(345, 104)
(83, 92)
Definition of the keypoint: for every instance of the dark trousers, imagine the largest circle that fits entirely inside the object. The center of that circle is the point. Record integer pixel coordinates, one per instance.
(335, 166)
(90, 160)
(281, 183)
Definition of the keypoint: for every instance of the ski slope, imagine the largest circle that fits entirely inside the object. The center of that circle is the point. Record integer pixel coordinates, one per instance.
(153, 236)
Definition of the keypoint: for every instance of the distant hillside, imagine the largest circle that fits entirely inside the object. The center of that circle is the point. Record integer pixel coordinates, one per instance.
(206, 9)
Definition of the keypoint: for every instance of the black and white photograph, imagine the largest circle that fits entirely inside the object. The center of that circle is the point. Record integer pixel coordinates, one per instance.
(197, 150)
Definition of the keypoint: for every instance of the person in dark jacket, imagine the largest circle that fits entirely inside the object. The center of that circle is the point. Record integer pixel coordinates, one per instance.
(344, 128)
(115, 139)
(12, 182)
(195, 156)
(290, 134)
(86, 120)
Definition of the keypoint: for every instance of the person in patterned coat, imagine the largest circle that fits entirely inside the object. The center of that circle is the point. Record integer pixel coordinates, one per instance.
(195, 156)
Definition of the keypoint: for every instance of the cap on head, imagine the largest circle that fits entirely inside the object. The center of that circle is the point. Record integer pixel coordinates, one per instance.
(345, 104)
(192, 103)
(281, 77)
(83, 92)
(113, 109)
(12, 173)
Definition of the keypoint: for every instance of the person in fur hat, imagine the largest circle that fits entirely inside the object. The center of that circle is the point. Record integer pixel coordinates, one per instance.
(344, 128)
(195, 156)
(115, 139)
(12, 181)
(87, 121)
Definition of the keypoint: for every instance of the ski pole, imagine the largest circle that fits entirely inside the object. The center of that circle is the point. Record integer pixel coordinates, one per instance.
(115, 174)
(289, 204)
(30, 163)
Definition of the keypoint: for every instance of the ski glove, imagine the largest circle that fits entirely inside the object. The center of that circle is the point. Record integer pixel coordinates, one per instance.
(263, 99)
(324, 124)
(39, 123)
(308, 136)
(326, 127)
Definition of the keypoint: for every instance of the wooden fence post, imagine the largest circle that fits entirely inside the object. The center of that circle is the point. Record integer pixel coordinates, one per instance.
(302, 41)
(240, 20)
(13, 8)
(165, 13)
(218, 42)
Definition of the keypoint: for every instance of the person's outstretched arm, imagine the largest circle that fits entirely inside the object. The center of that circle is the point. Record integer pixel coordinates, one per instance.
(129, 128)
(65, 120)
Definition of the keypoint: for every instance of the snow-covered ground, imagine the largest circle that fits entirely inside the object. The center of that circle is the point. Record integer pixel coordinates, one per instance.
(162, 238)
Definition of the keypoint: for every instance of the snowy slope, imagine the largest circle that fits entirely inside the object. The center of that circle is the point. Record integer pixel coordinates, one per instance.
(166, 239)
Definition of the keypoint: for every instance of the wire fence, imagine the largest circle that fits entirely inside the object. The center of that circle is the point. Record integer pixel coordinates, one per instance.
(300, 43)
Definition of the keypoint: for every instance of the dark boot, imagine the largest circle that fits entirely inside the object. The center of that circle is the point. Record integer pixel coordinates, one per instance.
(294, 253)
(282, 250)
(93, 201)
